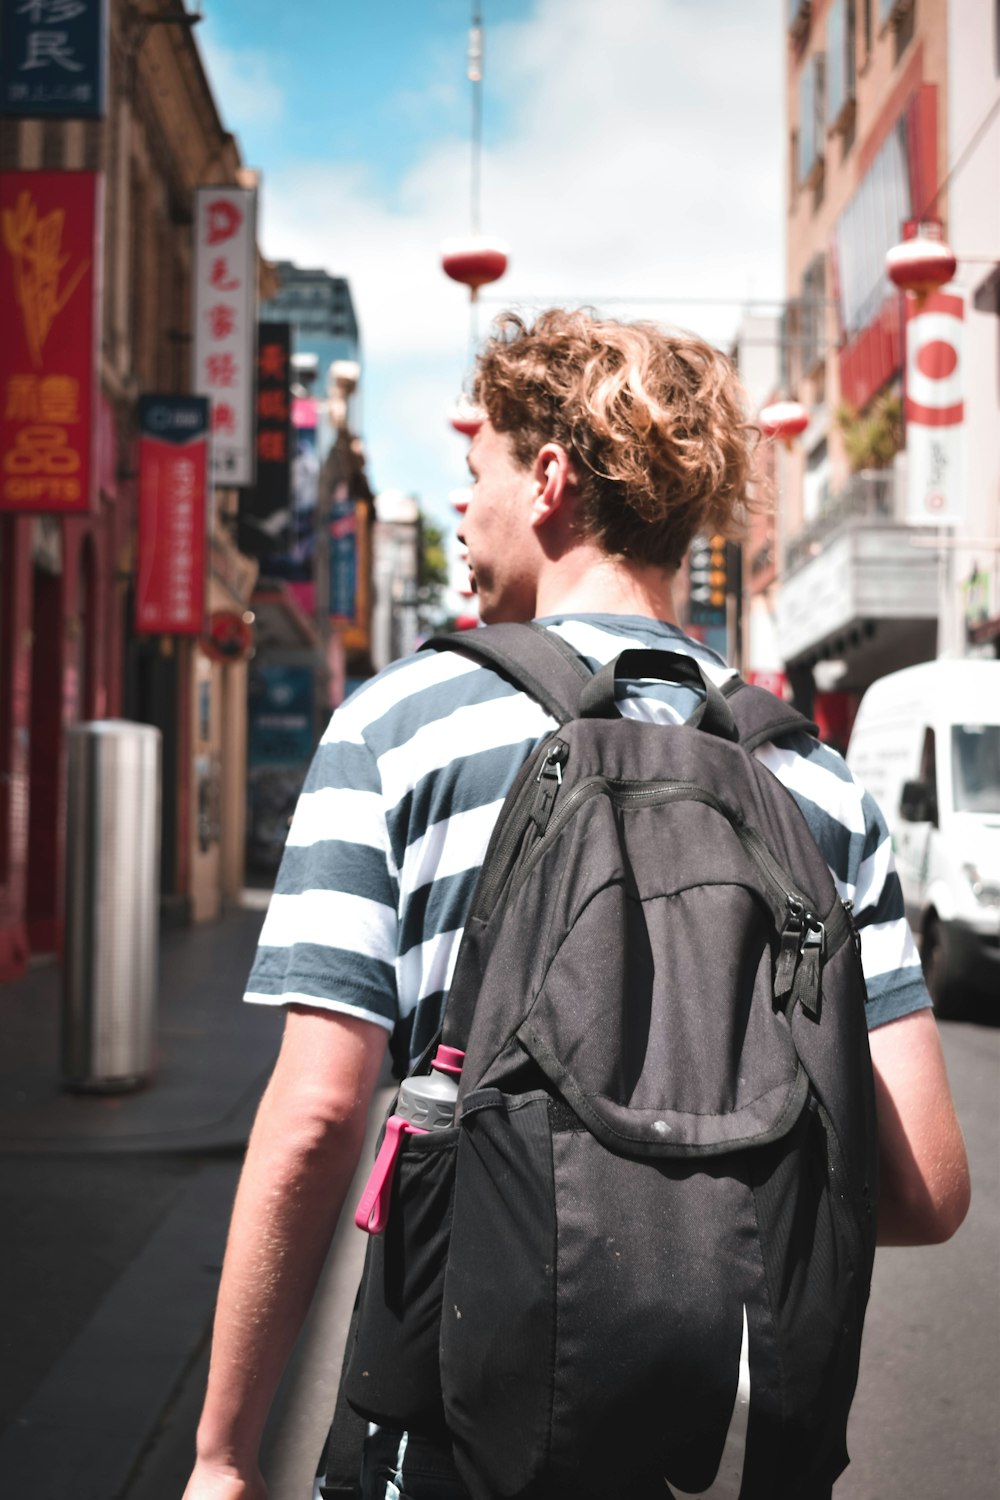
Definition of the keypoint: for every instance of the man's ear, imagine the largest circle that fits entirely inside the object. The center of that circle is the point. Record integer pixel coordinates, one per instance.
(555, 481)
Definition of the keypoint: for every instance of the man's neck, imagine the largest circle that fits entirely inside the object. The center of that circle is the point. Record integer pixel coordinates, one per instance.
(589, 582)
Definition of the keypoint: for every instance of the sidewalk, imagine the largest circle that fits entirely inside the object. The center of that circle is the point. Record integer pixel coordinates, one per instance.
(116, 1210)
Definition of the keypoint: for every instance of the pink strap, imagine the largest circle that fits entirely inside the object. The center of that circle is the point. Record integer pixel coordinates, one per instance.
(372, 1211)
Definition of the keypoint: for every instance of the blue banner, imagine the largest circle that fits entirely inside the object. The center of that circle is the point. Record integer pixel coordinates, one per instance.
(280, 715)
(54, 58)
(343, 561)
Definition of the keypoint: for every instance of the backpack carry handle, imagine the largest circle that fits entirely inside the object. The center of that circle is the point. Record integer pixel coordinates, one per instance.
(714, 716)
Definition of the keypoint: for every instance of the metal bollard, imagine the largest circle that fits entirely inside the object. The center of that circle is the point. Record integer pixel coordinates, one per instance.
(112, 905)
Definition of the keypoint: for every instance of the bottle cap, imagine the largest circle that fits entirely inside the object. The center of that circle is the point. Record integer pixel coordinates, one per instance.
(448, 1060)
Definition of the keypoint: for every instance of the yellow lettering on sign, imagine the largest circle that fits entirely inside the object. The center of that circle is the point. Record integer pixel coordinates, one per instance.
(35, 245)
(59, 399)
(41, 450)
(63, 491)
(21, 403)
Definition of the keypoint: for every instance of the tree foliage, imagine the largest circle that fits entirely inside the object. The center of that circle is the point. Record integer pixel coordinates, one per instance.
(872, 438)
(432, 575)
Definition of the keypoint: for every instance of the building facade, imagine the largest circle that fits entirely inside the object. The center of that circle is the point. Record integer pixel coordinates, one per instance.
(314, 596)
(70, 649)
(880, 116)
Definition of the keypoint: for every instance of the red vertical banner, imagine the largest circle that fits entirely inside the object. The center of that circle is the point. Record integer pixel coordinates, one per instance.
(50, 255)
(173, 492)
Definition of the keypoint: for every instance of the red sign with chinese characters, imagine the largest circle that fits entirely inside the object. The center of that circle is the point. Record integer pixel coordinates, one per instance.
(265, 510)
(173, 487)
(49, 260)
(225, 294)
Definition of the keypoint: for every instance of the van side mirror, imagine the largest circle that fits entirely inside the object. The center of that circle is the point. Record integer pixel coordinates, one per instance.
(917, 804)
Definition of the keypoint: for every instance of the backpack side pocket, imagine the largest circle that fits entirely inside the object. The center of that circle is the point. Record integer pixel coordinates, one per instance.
(393, 1373)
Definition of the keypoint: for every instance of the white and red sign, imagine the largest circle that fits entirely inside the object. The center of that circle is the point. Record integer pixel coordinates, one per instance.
(935, 409)
(173, 492)
(225, 296)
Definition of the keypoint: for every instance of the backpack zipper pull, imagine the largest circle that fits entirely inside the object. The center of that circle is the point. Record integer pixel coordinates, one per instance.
(549, 780)
(848, 906)
(788, 953)
(808, 985)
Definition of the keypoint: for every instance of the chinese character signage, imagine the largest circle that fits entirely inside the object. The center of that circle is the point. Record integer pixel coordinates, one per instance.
(53, 58)
(49, 258)
(173, 488)
(935, 409)
(265, 510)
(225, 296)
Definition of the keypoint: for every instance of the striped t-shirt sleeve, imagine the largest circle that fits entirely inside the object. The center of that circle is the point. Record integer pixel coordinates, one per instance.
(852, 834)
(329, 939)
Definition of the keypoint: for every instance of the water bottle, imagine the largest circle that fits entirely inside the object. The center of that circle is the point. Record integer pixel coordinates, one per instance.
(426, 1102)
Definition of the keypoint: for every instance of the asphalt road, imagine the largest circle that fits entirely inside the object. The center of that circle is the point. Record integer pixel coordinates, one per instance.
(924, 1423)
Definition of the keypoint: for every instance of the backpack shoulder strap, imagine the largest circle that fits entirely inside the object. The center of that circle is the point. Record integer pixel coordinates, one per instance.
(534, 659)
(760, 716)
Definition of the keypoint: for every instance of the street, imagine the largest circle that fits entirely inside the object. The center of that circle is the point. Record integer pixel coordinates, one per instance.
(112, 1266)
(924, 1422)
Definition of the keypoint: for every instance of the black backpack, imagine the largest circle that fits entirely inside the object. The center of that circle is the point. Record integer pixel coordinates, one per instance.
(639, 1263)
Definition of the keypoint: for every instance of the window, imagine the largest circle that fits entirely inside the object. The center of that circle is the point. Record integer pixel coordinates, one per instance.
(816, 484)
(797, 16)
(975, 762)
(811, 118)
(840, 62)
(869, 226)
(813, 318)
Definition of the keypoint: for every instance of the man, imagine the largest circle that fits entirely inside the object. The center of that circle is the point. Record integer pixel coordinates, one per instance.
(605, 450)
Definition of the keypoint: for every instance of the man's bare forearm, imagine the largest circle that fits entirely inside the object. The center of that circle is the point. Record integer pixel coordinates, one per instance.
(300, 1161)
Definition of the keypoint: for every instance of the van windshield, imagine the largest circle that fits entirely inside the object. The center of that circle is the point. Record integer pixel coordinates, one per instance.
(975, 761)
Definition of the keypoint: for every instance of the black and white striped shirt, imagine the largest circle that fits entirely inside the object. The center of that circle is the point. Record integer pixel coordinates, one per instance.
(392, 826)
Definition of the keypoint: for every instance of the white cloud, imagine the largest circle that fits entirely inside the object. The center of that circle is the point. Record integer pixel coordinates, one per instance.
(242, 82)
(642, 157)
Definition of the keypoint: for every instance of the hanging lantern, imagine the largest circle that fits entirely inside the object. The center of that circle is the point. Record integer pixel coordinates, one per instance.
(466, 622)
(460, 499)
(923, 261)
(465, 417)
(474, 260)
(783, 419)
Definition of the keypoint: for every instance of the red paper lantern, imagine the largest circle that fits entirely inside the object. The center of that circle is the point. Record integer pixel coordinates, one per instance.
(783, 419)
(466, 418)
(460, 499)
(466, 622)
(474, 260)
(922, 262)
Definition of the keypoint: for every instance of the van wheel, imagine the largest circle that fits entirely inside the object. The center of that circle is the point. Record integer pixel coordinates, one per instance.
(934, 957)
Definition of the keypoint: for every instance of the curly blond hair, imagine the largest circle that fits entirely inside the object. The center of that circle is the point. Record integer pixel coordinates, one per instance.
(656, 423)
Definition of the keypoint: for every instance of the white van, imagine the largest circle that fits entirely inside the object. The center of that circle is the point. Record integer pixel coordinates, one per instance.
(926, 744)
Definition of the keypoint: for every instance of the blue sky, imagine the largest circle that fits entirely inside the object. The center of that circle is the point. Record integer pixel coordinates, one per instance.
(633, 149)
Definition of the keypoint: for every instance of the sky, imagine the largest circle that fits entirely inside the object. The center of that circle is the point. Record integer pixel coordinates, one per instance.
(632, 160)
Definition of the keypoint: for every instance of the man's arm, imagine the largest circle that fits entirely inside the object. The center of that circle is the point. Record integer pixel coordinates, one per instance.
(302, 1154)
(924, 1187)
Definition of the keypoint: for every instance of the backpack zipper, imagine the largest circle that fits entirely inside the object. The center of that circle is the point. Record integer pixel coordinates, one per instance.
(519, 816)
(803, 934)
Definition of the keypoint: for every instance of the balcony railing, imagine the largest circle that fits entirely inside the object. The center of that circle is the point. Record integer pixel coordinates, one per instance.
(868, 497)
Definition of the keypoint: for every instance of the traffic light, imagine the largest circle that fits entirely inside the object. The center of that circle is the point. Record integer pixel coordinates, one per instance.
(709, 575)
